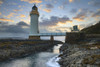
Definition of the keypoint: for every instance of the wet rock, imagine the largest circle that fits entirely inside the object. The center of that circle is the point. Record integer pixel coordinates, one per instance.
(20, 48)
(73, 56)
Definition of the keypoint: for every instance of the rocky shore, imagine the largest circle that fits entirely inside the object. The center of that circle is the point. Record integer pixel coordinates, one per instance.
(84, 54)
(10, 48)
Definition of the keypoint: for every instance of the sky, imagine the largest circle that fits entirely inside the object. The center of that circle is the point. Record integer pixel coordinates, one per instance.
(55, 15)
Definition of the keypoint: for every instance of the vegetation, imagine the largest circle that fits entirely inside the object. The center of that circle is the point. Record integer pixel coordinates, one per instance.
(91, 60)
(97, 45)
(94, 29)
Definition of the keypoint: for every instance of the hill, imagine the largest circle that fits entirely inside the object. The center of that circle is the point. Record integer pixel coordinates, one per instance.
(94, 29)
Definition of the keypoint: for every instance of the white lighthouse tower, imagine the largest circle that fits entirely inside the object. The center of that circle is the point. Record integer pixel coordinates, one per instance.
(34, 29)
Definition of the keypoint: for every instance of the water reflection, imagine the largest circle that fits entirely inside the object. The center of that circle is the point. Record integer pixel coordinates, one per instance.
(42, 59)
(59, 38)
(56, 49)
(35, 60)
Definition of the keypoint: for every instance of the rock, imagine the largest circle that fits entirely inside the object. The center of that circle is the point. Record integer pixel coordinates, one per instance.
(73, 56)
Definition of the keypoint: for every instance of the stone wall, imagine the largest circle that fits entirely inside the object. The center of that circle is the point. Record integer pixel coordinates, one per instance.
(34, 37)
(74, 37)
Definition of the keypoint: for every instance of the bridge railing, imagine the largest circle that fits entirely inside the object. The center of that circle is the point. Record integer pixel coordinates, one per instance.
(49, 34)
(52, 34)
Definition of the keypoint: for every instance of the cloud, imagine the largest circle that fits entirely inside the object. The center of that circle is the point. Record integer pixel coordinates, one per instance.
(81, 26)
(49, 6)
(47, 10)
(22, 23)
(1, 2)
(22, 16)
(50, 25)
(83, 13)
(61, 7)
(32, 1)
(62, 29)
(47, 25)
(86, 15)
(6, 20)
(58, 30)
(0, 13)
(95, 3)
(63, 24)
(19, 6)
(40, 7)
(73, 11)
(96, 14)
(71, 1)
(78, 19)
(11, 3)
(54, 20)
(6, 28)
(16, 10)
(10, 15)
(14, 3)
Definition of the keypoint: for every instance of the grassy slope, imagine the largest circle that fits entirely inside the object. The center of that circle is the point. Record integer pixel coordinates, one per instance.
(94, 29)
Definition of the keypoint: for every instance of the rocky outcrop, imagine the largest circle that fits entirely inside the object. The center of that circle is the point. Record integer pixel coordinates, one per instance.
(18, 48)
(80, 55)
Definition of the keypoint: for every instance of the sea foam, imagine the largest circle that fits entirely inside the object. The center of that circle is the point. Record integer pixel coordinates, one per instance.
(53, 62)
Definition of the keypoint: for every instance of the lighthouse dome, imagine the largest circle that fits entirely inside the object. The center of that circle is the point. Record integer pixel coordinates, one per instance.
(34, 10)
(34, 7)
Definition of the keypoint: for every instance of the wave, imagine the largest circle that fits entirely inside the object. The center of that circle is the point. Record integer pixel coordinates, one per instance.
(53, 62)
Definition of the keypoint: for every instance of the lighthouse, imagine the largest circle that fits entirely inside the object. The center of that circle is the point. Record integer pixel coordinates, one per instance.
(34, 29)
